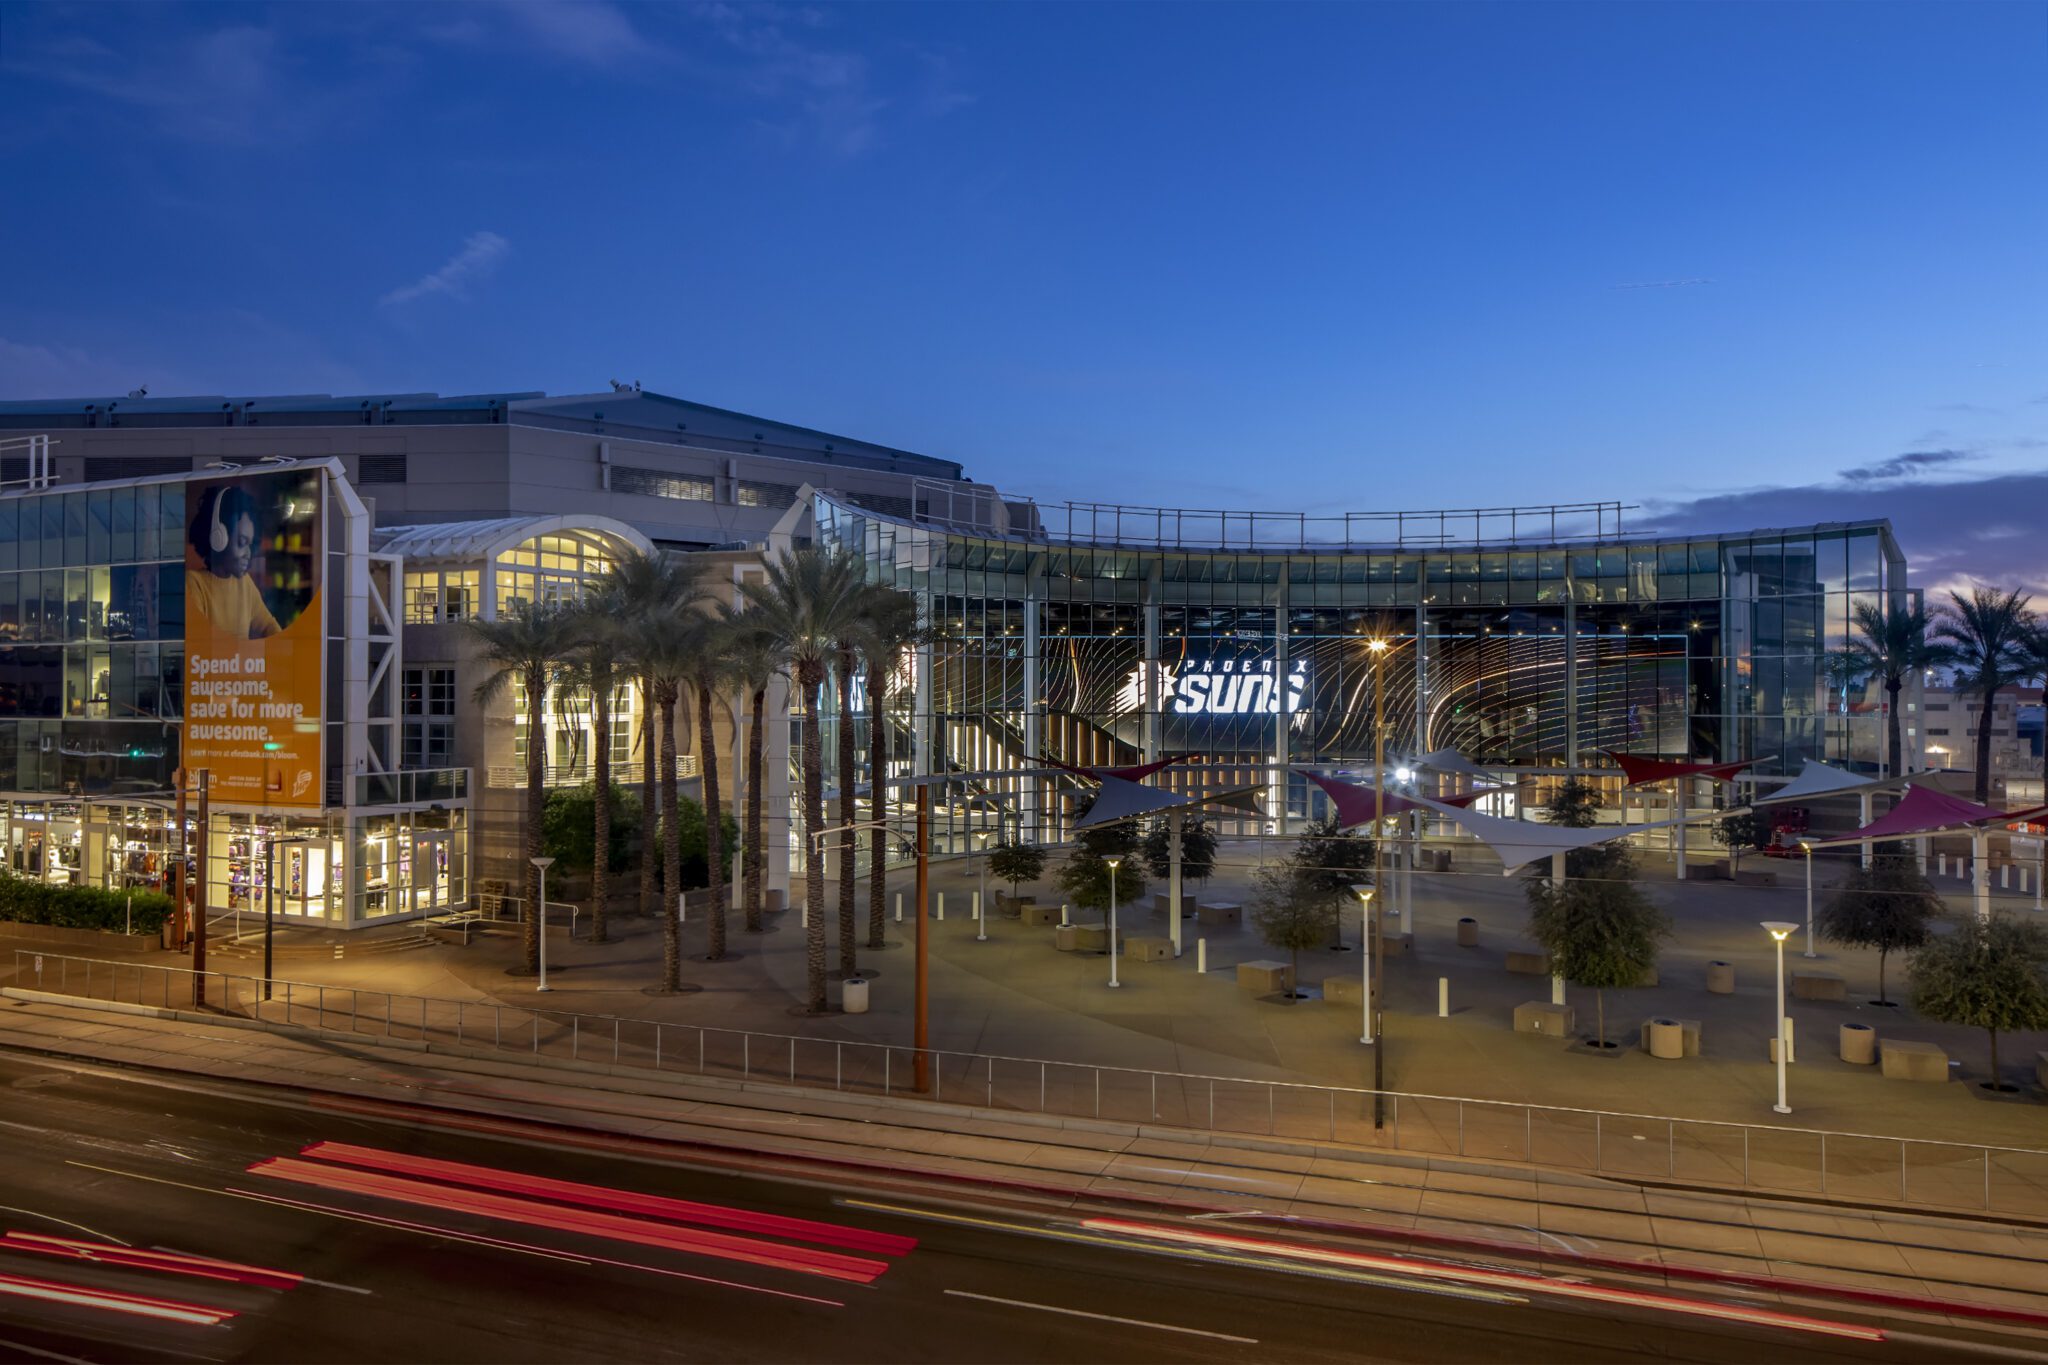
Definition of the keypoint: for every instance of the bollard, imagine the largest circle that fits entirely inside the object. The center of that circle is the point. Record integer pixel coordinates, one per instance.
(1443, 997)
(682, 910)
(1941, 864)
(974, 899)
(942, 905)
(2005, 877)
(1201, 956)
(1557, 990)
(899, 907)
(1063, 915)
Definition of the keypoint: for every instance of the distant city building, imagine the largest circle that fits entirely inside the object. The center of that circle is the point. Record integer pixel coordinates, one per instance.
(1952, 722)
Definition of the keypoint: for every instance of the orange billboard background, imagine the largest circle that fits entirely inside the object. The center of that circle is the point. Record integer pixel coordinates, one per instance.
(254, 639)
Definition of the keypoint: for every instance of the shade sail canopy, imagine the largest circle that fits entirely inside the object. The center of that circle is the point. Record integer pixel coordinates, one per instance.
(1517, 843)
(1637, 770)
(1923, 810)
(1818, 779)
(1244, 799)
(1120, 799)
(1130, 772)
(1451, 761)
(1357, 805)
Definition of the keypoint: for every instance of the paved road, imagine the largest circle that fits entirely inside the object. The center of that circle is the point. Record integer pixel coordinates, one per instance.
(403, 1258)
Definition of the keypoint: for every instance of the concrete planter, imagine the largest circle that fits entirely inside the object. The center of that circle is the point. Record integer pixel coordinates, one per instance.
(95, 940)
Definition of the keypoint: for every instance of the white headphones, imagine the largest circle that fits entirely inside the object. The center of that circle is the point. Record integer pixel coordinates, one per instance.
(217, 534)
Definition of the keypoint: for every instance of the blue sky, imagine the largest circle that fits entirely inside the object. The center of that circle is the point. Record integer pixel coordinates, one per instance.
(1323, 257)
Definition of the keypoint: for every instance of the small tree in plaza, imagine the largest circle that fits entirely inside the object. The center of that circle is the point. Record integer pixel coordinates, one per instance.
(1600, 929)
(1197, 849)
(1328, 862)
(1885, 906)
(1740, 834)
(1988, 974)
(1291, 912)
(1084, 877)
(1017, 864)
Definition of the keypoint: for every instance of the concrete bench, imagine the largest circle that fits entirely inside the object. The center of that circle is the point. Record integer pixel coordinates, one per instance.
(1394, 945)
(1349, 990)
(1162, 904)
(1540, 1016)
(1265, 978)
(1147, 948)
(1818, 986)
(1080, 938)
(1658, 1038)
(1529, 961)
(1648, 978)
(1222, 912)
(1038, 916)
(1754, 876)
(1912, 1061)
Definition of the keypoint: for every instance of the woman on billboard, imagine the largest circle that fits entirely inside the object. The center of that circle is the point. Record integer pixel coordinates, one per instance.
(224, 535)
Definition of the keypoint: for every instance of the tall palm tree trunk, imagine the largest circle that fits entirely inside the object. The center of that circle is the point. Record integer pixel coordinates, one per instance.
(751, 859)
(814, 866)
(849, 839)
(671, 847)
(536, 807)
(878, 802)
(714, 822)
(1892, 683)
(601, 801)
(1984, 748)
(650, 838)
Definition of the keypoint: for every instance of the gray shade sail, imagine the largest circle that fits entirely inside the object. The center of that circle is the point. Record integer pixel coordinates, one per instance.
(1120, 800)
(1453, 762)
(1818, 779)
(1517, 843)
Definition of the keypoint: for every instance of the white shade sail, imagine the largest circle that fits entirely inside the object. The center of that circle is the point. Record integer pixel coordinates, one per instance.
(1818, 779)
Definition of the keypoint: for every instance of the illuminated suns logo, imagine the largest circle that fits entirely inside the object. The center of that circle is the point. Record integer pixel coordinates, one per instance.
(1222, 687)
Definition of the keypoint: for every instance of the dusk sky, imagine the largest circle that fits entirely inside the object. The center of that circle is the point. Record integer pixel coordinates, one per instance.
(1743, 264)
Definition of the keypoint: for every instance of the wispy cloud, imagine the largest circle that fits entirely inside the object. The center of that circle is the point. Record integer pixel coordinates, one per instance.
(592, 33)
(1904, 466)
(479, 257)
(1660, 284)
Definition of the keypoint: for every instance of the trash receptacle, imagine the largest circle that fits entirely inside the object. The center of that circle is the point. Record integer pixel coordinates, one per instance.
(1468, 932)
(853, 995)
(1667, 1039)
(1721, 978)
(1859, 1044)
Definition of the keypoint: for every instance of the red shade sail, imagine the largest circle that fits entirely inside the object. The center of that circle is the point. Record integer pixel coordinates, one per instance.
(1638, 770)
(1923, 810)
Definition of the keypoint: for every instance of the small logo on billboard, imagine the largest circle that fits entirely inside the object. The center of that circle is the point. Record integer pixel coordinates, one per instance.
(302, 783)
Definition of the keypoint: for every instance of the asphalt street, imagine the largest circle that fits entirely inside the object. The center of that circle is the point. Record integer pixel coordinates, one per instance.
(354, 1238)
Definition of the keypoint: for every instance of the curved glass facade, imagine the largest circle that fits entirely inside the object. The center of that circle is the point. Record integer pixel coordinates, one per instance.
(1530, 656)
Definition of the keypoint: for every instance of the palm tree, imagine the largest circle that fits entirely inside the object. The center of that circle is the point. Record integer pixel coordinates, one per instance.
(595, 672)
(709, 644)
(664, 605)
(757, 659)
(848, 659)
(525, 646)
(637, 585)
(1988, 631)
(1893, 646)
(892, 627)
(809, 600)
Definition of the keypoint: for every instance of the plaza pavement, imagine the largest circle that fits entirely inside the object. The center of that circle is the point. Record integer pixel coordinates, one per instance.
(1015, 996)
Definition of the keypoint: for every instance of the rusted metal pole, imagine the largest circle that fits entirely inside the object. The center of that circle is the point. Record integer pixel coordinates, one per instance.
(921, 1017)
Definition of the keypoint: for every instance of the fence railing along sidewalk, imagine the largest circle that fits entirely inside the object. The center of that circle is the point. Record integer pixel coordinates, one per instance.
(1862, 1168)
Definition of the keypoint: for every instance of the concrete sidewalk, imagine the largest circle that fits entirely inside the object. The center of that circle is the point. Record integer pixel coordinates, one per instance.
(1436, 1206)
(1014, 996)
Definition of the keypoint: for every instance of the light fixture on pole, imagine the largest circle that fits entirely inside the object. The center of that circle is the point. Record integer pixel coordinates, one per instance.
(1779, 931)
(543, 863)
(1114, 864)
(270, 746)
(1806, 847)
(981, 866)
(1364, 894)
(1379, 875)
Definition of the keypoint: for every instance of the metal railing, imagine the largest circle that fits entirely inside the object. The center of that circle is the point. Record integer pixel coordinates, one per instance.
(513, 778)
(1864, 1168)
(973, 508)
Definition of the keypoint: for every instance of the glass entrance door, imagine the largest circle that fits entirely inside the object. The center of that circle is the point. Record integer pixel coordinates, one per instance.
(432, 858)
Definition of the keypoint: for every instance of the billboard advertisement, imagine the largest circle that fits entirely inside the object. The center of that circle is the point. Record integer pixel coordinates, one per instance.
(254, 637)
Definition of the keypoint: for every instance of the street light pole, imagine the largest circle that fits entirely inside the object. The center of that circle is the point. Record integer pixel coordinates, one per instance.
(1364, 894)
(1114, 864)
(270, 746)
(981, 867)
(1779, 932)
(1806, 847)
(543, 863)
(1378, 946)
